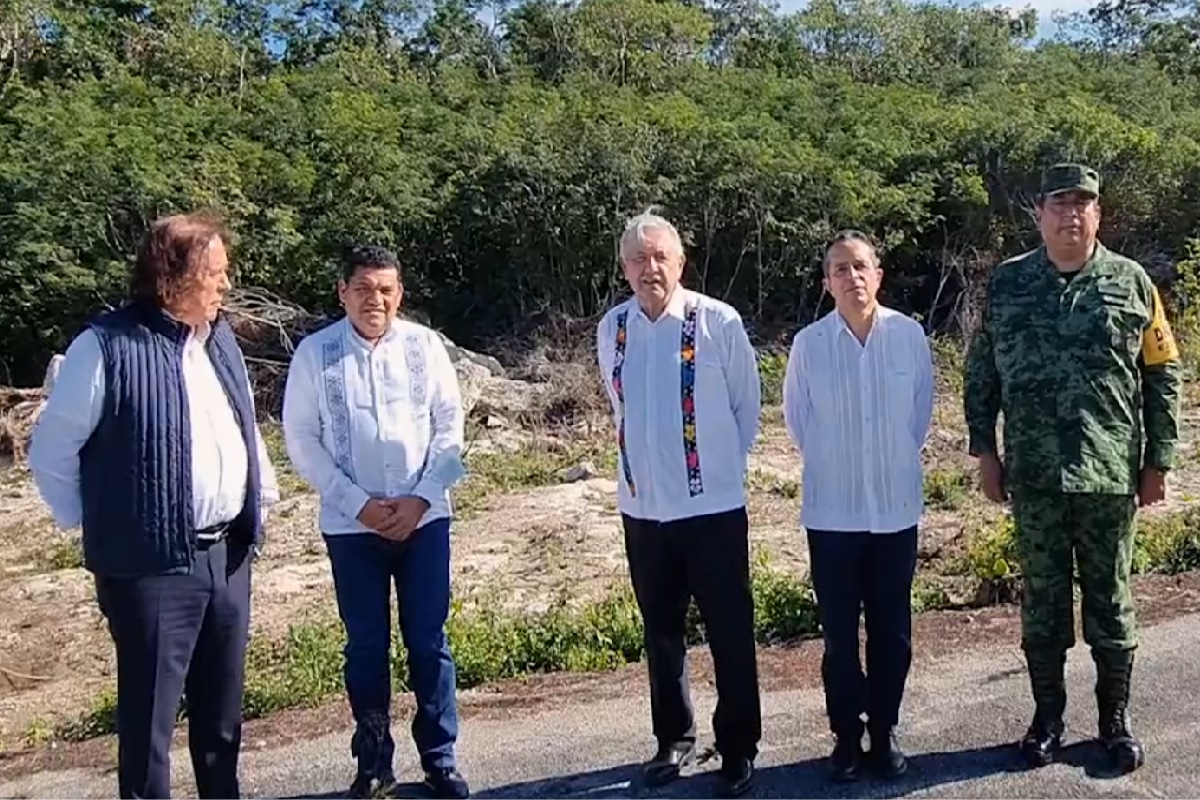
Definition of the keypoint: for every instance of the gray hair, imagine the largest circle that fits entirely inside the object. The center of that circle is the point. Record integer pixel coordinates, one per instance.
(636, 228)
(849, 235)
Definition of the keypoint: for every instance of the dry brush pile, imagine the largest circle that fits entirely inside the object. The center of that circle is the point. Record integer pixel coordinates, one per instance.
(550, 387)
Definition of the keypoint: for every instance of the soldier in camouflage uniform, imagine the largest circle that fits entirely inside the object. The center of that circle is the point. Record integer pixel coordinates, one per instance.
(1075, 350)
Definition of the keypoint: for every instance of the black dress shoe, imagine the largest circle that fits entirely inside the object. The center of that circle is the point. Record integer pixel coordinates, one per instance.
(369, 786)
(846, 758)
(738, 775)
(447, 783)
(666, 764)
(886, 757)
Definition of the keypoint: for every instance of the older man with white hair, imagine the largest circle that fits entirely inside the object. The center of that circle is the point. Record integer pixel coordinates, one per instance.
(683, 381)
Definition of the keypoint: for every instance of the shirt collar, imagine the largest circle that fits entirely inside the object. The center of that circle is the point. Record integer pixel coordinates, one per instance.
(675, 306)
(201, 332)
(358, 341)
(840, 326)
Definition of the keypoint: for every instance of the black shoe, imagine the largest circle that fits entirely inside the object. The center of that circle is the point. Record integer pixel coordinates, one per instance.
(1042, 741)
(846, 758)
(886, 757)
(667, 763)
(447, 783)
(738, 775)
(369, 786)
(1113, 668)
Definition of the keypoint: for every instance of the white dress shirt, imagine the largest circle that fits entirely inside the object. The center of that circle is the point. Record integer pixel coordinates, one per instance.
(686, 389)
(363, 421)
(74, 408)
(859, 415)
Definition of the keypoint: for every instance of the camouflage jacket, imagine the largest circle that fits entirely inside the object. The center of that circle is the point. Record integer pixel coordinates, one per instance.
(1084, 369)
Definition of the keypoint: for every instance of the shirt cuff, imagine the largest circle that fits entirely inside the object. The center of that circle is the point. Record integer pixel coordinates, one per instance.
(429, 490)
(1160, 456)
(352, 501)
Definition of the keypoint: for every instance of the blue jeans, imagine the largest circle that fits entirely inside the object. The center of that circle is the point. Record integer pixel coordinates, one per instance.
(364, 568)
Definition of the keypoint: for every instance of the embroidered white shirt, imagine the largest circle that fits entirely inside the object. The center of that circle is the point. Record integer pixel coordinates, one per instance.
(74, 408)
(685, 397)
(382, 421)
(859, 415)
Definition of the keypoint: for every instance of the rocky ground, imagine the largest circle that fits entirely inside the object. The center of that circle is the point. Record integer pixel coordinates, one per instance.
(537, 523)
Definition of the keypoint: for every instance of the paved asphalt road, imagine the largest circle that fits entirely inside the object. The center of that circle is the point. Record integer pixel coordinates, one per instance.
(960, 718)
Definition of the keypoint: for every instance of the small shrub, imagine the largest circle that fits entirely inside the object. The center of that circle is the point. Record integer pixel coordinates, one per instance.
(1167, 543)
(946, 489)
(772, 367)
(770, 483)
(992, 551)
(928, 596)
(63, 554)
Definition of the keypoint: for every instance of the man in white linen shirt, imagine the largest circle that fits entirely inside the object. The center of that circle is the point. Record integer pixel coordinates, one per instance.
(148, 441)
(858, 400)
(373, 419)
(683, 381)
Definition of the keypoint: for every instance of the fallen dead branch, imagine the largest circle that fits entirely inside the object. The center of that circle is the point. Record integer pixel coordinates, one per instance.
(19, 409)
(268, 329)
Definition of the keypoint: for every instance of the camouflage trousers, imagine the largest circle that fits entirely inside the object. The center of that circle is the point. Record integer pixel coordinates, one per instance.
(1054, 532)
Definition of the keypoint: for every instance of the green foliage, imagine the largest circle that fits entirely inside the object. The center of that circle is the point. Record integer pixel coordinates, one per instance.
(1164, 542)
(63, 554)
(946, 489)
(1168, 543)
(772, 367)
(992, 551)
(502, 160)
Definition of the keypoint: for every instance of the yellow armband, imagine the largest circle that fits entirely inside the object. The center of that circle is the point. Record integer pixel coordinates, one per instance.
(1158, 342)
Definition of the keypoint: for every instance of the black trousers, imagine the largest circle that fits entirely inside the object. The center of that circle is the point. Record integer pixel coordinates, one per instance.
(174, 633)
(705, 557)
(870, 573)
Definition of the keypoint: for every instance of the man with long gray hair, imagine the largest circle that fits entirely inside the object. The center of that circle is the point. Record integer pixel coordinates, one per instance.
(683, 382)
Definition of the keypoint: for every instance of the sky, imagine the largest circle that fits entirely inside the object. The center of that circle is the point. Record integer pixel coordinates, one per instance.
(1045, 9)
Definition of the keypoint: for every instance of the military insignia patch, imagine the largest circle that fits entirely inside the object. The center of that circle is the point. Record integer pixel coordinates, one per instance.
(1158, 342)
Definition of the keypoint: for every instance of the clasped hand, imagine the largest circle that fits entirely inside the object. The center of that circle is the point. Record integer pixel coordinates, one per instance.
(393, 518)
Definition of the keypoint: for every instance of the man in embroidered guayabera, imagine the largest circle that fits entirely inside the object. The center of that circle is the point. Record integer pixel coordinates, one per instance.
(683, 381)
(1075, 349)
(149, 442)
(857, 402)
(373, 419)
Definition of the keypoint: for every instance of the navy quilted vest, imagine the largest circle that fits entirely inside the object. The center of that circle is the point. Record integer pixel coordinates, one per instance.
(136, 469)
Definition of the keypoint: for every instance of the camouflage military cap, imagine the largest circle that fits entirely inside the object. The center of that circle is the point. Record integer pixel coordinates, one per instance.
(1070, 178)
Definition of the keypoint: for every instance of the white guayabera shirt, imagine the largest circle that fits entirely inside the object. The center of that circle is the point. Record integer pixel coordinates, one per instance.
(685, 396)
(859, 415)
(365, 421)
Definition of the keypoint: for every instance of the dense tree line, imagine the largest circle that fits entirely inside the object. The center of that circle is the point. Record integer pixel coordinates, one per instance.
(500, 148)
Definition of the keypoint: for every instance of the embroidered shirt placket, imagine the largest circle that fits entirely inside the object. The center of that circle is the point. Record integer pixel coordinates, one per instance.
(618, 387)
(687, 391)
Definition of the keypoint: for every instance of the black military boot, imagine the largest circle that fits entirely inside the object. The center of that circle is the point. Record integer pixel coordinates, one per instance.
(1113, 673)
(1047, 680)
